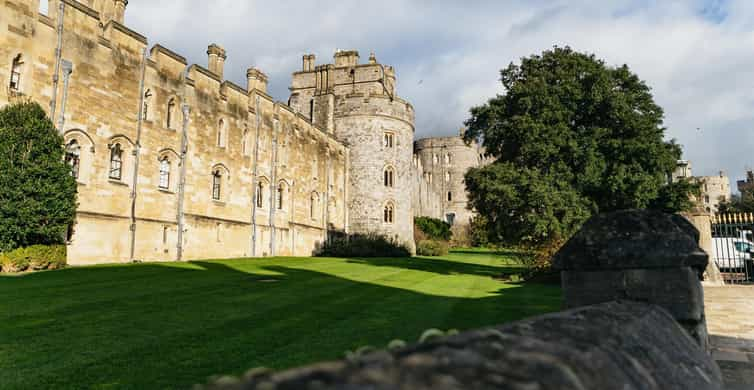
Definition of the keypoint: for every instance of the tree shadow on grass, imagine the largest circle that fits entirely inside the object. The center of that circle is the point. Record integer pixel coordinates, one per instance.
(161, 326)
(439, 266)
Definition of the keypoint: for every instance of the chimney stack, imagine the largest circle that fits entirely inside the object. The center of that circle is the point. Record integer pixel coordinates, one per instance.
(119, 13)
(309, 62)
(256, 80)
(346, 58)
(216, 60)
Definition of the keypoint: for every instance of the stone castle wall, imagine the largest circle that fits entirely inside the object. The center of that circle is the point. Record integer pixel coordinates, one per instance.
(239, 133)
(441, 164)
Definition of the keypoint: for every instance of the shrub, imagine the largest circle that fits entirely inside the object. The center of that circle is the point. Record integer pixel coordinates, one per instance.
(432, 248)
(364, 245)
(37, 191)
(433, 228)
(34, 258)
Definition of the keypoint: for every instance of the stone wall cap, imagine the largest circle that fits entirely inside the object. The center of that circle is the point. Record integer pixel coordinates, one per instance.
(631, 239)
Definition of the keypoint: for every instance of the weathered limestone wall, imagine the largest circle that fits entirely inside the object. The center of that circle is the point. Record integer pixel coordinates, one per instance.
(224, 123)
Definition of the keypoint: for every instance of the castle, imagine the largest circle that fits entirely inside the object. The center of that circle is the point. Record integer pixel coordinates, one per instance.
(173, 162)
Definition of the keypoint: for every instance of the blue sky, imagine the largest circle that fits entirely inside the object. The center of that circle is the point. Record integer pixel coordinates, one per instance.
(698, 56)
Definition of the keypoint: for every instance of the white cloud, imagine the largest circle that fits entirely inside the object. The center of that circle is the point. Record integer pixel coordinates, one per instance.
(696, 55)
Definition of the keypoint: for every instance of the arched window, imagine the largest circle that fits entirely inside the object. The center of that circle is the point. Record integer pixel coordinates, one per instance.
(221, 134)
(170, 114)
(260, 194)
(217, 179)
(435, 159)
(450, 196)
(388, 213)
(448, 158)
(164, 173)
(73, 157)
(447, 177)
(116, 162)
(314, 205)
(280, 195)
(389, 174)
(15, 73)
(388, 140)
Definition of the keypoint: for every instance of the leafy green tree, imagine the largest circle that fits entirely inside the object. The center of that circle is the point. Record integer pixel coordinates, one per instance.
(37, 191)
(743, 203)
(572, 137)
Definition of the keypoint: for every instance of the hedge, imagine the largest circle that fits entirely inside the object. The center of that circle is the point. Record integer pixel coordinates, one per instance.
(33, 258)
(432, 248)
(364, 245)
(433, 228)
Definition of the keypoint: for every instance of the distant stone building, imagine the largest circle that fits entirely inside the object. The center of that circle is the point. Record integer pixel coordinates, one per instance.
(173, 162)
(442, 163)
(714, 190)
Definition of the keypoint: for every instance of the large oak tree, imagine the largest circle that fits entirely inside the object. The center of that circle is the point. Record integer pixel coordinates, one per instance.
(572, 137)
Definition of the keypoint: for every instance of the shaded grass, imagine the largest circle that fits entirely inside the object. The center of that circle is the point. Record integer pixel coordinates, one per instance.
(172, 325)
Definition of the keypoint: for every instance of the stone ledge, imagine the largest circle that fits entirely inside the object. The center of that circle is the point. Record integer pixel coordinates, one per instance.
(614, 345)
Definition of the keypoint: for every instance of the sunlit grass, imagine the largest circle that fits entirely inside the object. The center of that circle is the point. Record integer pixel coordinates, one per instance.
(174, 324)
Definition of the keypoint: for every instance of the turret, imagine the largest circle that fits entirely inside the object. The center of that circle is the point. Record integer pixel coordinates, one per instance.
(216, 60)
(256, 80)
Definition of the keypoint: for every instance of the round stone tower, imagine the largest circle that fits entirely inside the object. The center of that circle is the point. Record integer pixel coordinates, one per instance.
(445, 161)
(357, 103)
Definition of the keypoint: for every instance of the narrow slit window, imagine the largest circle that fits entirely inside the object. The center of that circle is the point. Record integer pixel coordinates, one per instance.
(116, 162)
(15, 73)
(170, 114)
(73, 157)
(216, 184)
(260, 195)
(164, 173)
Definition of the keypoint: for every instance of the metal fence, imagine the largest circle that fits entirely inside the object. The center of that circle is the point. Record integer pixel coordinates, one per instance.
(732, 247)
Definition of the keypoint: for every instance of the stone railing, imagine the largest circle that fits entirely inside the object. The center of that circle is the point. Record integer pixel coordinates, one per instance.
(635, 321)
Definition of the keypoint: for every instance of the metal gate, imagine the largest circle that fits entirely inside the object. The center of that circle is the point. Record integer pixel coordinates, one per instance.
(733, 246)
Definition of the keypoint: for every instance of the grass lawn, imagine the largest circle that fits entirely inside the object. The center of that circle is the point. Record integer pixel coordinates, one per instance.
(172, 325)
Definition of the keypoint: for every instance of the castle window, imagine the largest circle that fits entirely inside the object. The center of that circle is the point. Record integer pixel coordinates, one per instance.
(164, 173)
(170, 114)
(280, 195)
(448, 158)
(435, 159)
(260, 195)
(165, 234)
(221, 136)
(217, 178)
(15, 73)
(116, 162)
(388, 140)
(447, 177)
(450, 218)
(73, 157)
(450, 196)
(388, 213)
(219, 232)
(429, 177)
(389, 174)
(314, 205)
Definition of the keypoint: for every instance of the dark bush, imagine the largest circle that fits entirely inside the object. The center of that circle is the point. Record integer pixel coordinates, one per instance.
(433, 228)
(37, 191)
(364, 245)
(34, 258)
(432, 248)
